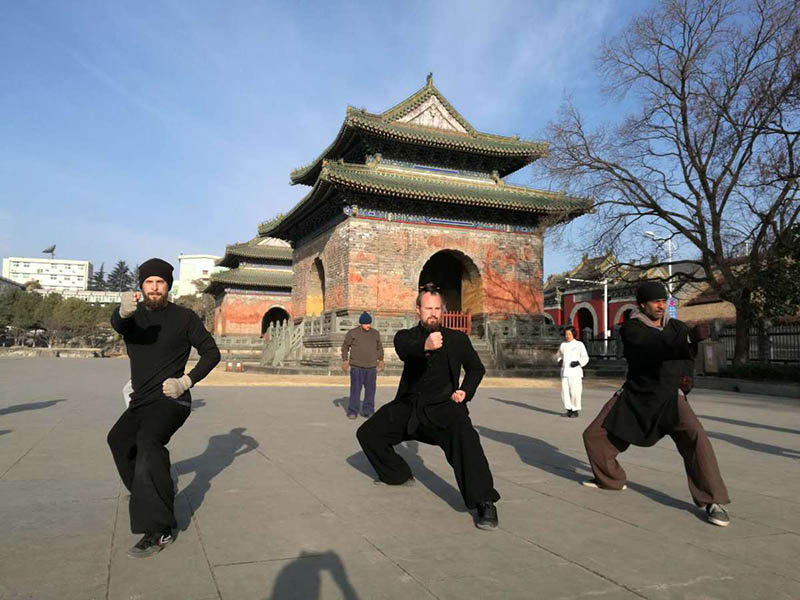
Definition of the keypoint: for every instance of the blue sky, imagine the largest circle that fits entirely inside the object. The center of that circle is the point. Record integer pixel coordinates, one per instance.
(134, 129)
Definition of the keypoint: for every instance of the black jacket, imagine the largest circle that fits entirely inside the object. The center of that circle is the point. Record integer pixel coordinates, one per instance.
(410, 347)
(647, 408)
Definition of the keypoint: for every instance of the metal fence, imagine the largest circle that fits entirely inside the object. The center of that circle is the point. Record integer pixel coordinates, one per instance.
(780, 344)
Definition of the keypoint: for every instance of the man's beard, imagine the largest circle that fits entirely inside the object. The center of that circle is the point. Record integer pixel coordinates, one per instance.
(155, 302)
(431, 326)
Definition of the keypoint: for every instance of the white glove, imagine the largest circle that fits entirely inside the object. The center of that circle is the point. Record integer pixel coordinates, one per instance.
(175, 387)
(128, 302)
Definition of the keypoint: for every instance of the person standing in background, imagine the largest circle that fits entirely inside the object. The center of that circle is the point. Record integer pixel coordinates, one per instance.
(362, 353)
(573, 357)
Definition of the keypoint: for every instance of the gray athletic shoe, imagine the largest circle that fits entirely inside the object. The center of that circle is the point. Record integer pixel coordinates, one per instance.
(717, 515)
(151, 543)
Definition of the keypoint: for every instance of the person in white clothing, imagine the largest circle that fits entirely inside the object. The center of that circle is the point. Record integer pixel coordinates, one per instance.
(573, 357)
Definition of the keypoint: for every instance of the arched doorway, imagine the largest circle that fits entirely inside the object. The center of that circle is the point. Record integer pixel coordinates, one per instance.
(315, 289)
(276, 314)
(584, 319)
(458, 279)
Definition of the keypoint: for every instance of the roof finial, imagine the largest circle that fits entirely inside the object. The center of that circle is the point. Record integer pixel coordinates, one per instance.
(429, 80)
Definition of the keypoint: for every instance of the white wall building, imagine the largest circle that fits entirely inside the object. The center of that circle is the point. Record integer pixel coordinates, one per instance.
(51, 273)
(90, 296)
(191, 268)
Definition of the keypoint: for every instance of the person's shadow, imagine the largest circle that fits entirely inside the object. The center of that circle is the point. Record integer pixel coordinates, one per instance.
(527, 406)
(342, 402)
(301, 578)
(30, 406)
(754, 446)
(548, 458)
(5, 431)
(409, 450)
(540, 454)
(198, 403)
(219, 455)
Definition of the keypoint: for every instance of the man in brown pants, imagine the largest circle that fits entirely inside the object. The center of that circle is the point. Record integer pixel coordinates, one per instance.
(652, 403)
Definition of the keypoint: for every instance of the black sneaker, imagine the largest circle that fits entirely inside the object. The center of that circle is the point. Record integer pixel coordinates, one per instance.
(487, 516)
(151, 543)
(367, 415)
(717, 515)
(566, 414)
(574, 414)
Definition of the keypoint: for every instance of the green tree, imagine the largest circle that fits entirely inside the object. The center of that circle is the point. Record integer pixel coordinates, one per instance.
(120, 279)
(49, 317)
(24, 316)
(98, 281)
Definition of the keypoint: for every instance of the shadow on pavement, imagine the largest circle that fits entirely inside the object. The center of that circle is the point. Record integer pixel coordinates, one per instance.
(30, 406)
(547, 457)
(301, 578)
(198, 403)
(754, 446)
(219, 455)
(342, 402)
(748, 424)
(528, 406)
(540, 454)
(410, 453)
(5, 431)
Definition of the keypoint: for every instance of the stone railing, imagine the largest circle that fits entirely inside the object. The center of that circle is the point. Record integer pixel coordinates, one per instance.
(520, 341)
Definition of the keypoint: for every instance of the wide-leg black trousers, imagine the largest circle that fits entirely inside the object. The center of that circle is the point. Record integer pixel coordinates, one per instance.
(138, 443)
(460, 442)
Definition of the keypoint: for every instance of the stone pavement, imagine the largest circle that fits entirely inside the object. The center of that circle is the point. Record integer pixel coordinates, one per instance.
(276, 501)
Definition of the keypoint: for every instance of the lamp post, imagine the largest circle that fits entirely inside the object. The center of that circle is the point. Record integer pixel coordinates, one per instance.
(604, 283)
(655, 238)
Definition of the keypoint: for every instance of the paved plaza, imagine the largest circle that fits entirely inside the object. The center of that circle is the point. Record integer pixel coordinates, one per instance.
(276, 501)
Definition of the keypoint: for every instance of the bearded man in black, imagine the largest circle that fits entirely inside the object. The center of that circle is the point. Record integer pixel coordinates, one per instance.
(159, 336)
(652, 403)
(431, 407)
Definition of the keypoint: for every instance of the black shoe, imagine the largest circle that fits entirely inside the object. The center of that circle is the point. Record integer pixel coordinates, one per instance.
(367, 415)
(487, 516)
(151, 543)
(566, 414)
(574, 414)
(407, 483)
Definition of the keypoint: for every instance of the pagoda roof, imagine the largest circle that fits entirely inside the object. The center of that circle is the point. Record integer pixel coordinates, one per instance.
(249, 277)
(252, 249)
(394, 181)
(405, 123)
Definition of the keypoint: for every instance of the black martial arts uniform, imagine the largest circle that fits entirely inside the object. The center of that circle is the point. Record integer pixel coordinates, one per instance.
(423, 410)
(158, 343)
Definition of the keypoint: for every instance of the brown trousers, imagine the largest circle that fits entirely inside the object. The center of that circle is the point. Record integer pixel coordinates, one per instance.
(702, 470)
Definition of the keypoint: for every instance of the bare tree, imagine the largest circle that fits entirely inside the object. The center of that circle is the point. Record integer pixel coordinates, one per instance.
(710, 157)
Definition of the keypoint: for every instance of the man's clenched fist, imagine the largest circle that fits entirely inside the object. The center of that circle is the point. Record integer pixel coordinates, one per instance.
(434, 341)
(458, 396)
(175, 387)
(128, 302)
(699, 332)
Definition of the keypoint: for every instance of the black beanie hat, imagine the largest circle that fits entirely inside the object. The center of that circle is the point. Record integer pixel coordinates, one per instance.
(365, 318)
(651, 290)
(155, 267)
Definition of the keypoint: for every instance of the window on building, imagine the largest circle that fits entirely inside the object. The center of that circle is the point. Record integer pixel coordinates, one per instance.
(26, 265)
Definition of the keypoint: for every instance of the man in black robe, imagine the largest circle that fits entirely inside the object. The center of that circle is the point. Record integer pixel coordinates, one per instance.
(431, 407)
(652, 403)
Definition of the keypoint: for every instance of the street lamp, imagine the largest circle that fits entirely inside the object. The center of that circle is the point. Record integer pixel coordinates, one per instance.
(655, 238)
(604, 283)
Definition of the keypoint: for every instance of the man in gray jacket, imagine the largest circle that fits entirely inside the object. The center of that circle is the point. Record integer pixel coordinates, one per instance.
(363, 345)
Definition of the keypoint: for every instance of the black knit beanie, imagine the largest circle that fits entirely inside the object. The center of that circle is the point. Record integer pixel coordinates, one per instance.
(155, 267)
(651, 290)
